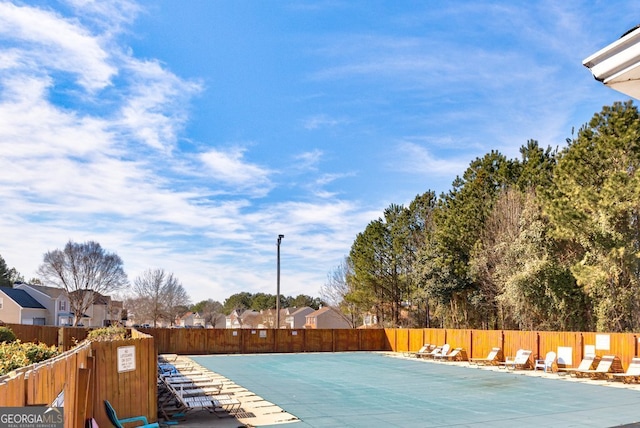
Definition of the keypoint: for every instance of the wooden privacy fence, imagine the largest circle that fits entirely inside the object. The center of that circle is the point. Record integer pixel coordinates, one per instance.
(571, 347)
(250, 341)
(123, 372)
(39, 384)
(63, 337)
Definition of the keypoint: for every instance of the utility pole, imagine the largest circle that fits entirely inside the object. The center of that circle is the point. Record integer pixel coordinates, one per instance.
(278, 285)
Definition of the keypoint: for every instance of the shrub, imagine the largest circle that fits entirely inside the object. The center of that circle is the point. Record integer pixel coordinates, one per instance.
(39, 352)
(7, 335)
(17, 354)
(108, 333)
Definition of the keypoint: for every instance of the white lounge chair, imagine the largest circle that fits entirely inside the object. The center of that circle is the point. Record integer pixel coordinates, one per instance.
(430, 354)
(425, 348)
(520, 361)
(458, 354)
(493, 358)
(588, 362)
(608, 364)
(443, 351)
(547, 363)
(631, 375)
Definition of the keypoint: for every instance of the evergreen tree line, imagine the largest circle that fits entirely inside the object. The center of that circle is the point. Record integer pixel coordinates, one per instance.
(549, 241)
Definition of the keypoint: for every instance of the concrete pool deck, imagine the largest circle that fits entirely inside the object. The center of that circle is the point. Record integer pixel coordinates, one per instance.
(601, 411)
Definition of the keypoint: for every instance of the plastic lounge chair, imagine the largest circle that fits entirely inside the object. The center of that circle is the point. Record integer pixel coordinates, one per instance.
(606, 365)
(631, 375)
(113, 417)
(169, 407)
(180, 378)
(196, 388)
(443, 352)
(204, 395)
(167, 369)
(588, 362)
(431, 353)
(492, 359)
(547, 363)
(458, 354)
(425, 348)
(520, 361)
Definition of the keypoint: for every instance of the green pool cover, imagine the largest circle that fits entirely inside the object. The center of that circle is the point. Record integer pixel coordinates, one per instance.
(373, 390)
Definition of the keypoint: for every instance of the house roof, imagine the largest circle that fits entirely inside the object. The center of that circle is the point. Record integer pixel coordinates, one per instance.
(98, 299)
(618, 64)
(305, 309)
(22, 298)
(53, 292)
(101, 299)
(249, 313)
(189, 314)
(325, 309)
(320, 311)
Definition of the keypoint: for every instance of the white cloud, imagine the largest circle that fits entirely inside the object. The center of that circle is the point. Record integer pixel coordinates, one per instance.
(416, 159)
(57, 43)
(229, 168)
(321, 121)
(32, 128)
(154, 111)
(308, 160)
(109, 14)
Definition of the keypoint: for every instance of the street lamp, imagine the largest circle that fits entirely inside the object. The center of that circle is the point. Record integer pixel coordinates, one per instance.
(278, 286)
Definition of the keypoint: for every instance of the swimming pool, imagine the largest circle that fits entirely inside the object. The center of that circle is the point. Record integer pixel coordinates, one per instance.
(373, 390)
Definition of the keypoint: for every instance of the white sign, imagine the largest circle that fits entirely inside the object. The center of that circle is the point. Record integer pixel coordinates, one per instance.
(263, 333)
(565, 355)
(126, 358)
(589, 349)
(294, 333)
(602, 341)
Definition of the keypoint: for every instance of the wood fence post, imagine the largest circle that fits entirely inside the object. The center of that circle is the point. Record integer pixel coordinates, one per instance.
(82, 395)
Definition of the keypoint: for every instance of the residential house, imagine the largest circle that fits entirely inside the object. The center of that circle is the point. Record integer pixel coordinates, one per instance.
(297, 317)
(617, 65)
(218, 321)
(115, 311)
(54, 299)
(18, 307)
(103, 312)
(240, 318)
(190, 319)
(369, 320)
(269, 318)
(327, 317)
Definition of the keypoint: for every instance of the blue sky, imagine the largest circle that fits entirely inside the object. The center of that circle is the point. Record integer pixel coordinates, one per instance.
(188, 135)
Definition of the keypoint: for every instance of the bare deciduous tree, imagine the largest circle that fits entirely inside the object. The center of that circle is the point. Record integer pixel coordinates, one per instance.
(212, 312)
(82, 270)
(336, 290)
(175, 298)
(159, 295)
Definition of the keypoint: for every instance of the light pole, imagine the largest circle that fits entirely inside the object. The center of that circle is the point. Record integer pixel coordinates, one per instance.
(278, 285)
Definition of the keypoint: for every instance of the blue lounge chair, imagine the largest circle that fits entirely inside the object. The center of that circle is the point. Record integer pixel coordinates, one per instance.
(113, 417)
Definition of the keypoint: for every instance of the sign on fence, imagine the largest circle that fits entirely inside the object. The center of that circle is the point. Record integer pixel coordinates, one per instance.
(126, 358)
(32, 417)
